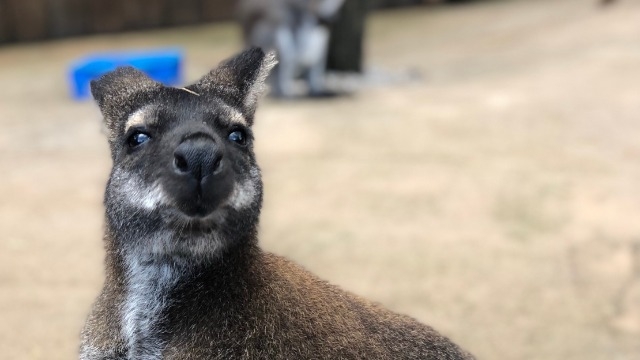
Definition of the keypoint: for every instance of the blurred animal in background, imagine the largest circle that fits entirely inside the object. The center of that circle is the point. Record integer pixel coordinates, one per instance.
(185, 277)
(607, 2)
(298, 31)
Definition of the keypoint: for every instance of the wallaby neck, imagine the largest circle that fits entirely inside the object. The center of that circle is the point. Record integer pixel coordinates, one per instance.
(151, 287)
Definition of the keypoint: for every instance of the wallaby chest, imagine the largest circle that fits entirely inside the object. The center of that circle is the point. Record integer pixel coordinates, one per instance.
(145, 309)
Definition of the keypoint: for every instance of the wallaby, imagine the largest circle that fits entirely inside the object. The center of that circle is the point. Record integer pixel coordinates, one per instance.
(298, 31)
(185, 277)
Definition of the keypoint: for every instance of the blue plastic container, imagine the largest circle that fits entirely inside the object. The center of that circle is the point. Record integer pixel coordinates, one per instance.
(162, 65)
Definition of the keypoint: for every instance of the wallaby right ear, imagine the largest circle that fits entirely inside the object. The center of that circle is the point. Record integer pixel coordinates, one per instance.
(119, 92)
(241, 77)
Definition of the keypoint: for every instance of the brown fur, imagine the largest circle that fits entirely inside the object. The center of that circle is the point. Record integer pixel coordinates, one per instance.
(256, 305)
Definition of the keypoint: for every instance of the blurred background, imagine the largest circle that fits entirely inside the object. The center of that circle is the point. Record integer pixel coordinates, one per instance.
(483, 176)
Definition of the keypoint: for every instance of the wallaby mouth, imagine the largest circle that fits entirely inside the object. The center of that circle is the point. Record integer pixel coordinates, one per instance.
(199, 199)
(198, 209)
(194, 216)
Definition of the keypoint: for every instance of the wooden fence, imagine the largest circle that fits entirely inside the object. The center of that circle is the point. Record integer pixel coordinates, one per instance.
(28, 20)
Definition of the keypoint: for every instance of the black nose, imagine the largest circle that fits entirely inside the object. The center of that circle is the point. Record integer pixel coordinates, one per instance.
(199, 158)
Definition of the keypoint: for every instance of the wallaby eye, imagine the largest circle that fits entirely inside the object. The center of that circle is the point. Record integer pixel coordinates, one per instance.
(137, 139)
(238, 137)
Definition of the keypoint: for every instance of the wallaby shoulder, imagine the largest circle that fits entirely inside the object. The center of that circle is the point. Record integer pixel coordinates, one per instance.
(278, 310)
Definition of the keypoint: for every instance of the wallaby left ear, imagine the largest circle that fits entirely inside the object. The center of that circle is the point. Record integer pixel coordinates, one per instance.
(241, 79)
(119, 92)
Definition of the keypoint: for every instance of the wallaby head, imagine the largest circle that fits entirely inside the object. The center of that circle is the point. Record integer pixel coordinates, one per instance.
(184, 182)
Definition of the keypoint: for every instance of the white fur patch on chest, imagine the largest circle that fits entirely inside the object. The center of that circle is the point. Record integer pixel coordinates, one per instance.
(144, 309)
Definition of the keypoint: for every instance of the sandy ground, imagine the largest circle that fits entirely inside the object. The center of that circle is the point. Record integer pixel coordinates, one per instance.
(497, 200)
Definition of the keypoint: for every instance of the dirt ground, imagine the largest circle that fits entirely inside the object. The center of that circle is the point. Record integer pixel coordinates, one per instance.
(497, 199)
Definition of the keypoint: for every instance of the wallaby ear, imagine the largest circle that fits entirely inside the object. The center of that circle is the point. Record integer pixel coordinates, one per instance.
(119, 92)
(241, 79)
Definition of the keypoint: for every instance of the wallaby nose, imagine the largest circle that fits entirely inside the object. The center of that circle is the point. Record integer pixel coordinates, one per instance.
(198, 158)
